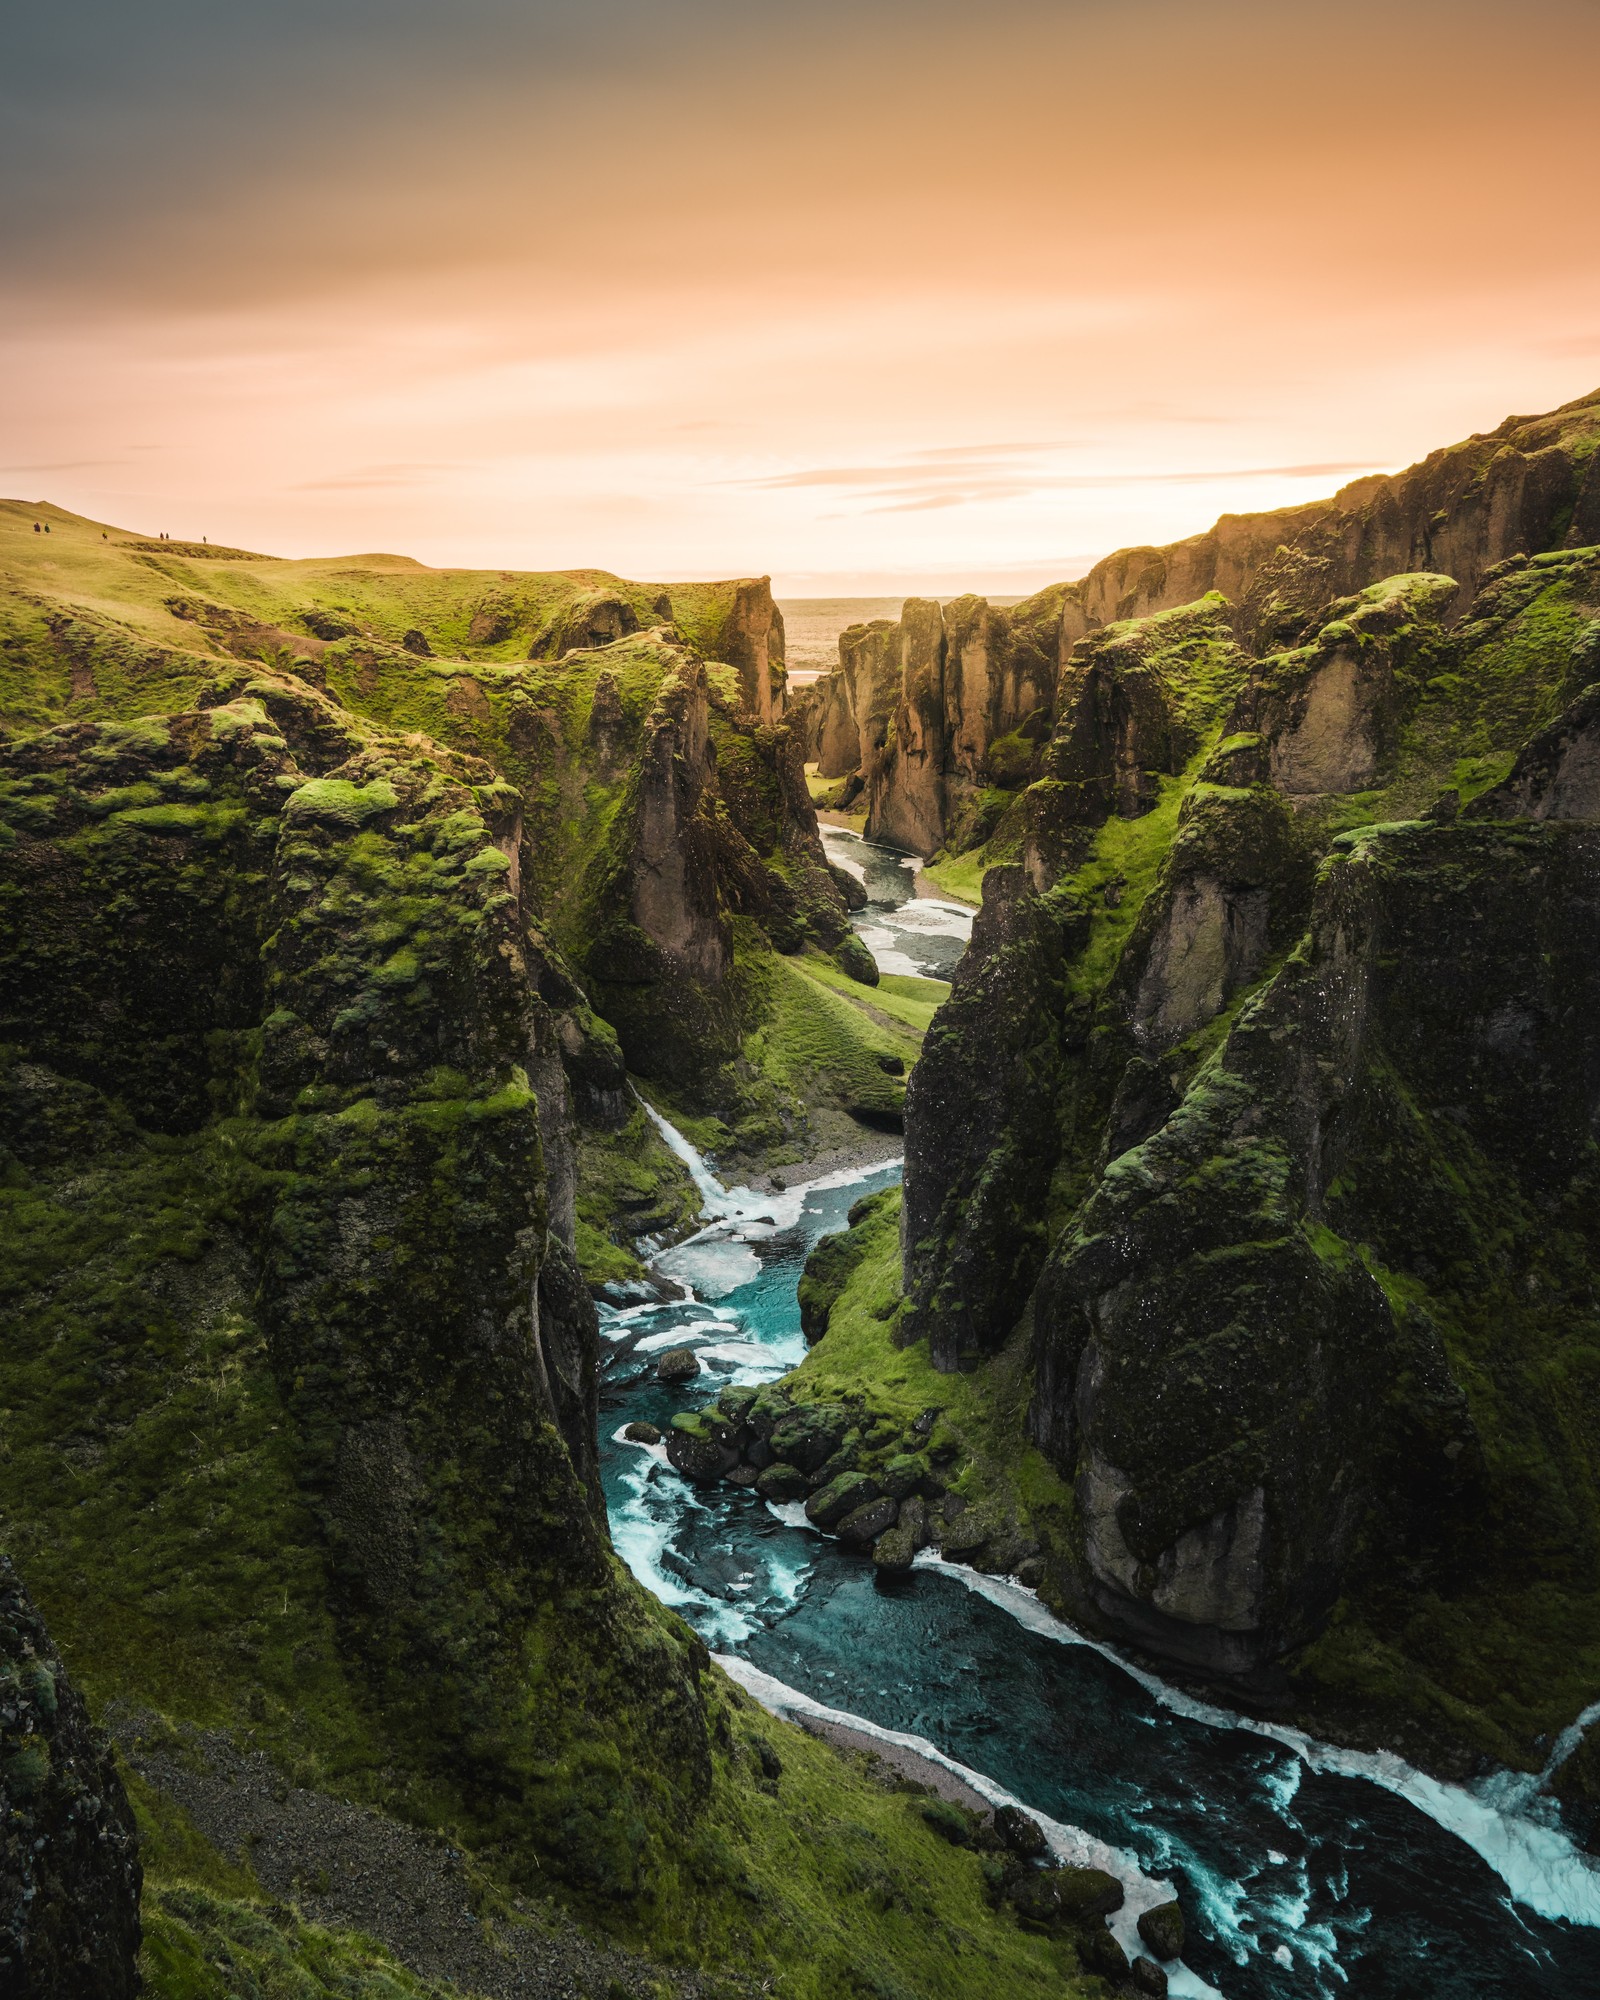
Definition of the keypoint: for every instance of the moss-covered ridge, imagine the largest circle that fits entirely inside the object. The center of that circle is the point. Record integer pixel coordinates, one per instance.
(289, 1020)
(1270, 1194)
(98, 617)
(298, 1417)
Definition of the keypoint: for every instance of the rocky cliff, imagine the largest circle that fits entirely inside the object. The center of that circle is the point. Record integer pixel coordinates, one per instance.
(1259, 1129)
(942, 717)
(314, 1143)
(69, 1869)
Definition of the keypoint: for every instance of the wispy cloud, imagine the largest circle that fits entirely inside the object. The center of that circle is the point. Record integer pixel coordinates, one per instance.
(973, 475)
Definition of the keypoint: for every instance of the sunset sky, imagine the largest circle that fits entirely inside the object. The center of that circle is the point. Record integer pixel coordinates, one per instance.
(867, 294)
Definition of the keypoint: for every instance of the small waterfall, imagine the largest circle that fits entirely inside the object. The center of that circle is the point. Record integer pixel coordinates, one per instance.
(712, 1192)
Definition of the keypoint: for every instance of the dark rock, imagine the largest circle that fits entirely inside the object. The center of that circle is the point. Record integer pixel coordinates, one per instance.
(894, 1550)
(866, 1523)
(1148, 1977)
(1161, 1930)
(701, 1448)
(69, 1865)
(743, 1475)
(841, 1496)
(416, 642)
(1056, 1898)
(809, 1435)
(780, 1483)
(923, 1424)
(1020, 1832)
(891, 1065)
(769, 1760)
(1030, 1571)
(678, 1364)
(903, 1474)
(642, 1433)
(1100, 1953)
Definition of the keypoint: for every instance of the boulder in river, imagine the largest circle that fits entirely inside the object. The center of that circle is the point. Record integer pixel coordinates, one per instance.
(781, 1483)
(1161, 1930)
(701, 1447)
(678, 1364)
(640, 1433)
(1148, 1977)
(866, 1523)
(841, 1496)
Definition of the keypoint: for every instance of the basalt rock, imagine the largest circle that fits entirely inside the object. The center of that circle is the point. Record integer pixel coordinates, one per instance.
(941, 714)
(1161, 1930)
(69, 1867)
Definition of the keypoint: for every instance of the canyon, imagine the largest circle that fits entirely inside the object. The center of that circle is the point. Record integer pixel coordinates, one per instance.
(420, 989)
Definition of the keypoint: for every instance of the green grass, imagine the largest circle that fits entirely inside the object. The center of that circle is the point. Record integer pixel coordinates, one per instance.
(982, 1410)
(960, 876)
(905, 998)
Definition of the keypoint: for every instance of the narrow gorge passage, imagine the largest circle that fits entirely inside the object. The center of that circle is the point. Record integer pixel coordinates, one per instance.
(1302, 1870)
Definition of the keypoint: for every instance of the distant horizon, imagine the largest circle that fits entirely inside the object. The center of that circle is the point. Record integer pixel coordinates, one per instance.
(556, 287)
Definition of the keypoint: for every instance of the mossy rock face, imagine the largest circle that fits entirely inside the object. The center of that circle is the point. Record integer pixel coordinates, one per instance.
(302, 1055)
(69, 1866)
(1161, 1929)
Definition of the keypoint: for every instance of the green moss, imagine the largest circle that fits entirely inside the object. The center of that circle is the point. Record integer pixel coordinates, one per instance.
(901, 997)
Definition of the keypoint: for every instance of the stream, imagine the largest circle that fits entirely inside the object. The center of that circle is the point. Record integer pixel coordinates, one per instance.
(1303, 1870)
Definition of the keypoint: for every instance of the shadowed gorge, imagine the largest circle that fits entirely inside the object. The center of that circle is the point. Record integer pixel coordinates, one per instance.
(514, 1484)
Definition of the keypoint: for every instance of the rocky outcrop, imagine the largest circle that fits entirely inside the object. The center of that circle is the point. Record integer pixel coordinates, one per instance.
(1250, 1353)
(1528, 485)
(740, 624)
(1269, 1128)
(931, 711)
(301, 926)
(69, 1866)
(972, 702)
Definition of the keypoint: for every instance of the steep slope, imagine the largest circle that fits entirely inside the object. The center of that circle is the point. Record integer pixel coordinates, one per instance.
(304, 1109)
(938, 719)
(1250, 1163)
(650, 788)
(69, 1870)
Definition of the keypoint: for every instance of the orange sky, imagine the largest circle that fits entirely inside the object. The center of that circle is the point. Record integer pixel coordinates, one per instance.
(870, 297)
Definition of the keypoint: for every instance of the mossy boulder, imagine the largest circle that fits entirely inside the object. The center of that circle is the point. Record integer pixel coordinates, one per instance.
(867, 1522)
(829, 1506)
(782, 1483)
(808, 1435)
(677, 1364)
(1020, 1832)
(701, 1447)
(1161, 1929)
(1065, 1898)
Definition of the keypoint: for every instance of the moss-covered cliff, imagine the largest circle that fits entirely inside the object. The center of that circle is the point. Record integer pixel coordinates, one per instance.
(1257, 1138)
(935, 723)
(312, 1133)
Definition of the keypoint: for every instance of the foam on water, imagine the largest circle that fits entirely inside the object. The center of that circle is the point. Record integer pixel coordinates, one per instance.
(1068, 1844)
(1538, 1862)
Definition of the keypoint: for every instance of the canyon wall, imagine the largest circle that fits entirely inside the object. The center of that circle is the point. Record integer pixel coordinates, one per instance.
(1260, 1121)
(943, 715)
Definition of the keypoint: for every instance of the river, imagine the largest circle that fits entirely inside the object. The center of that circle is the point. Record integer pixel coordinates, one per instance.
(1303, 1870)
